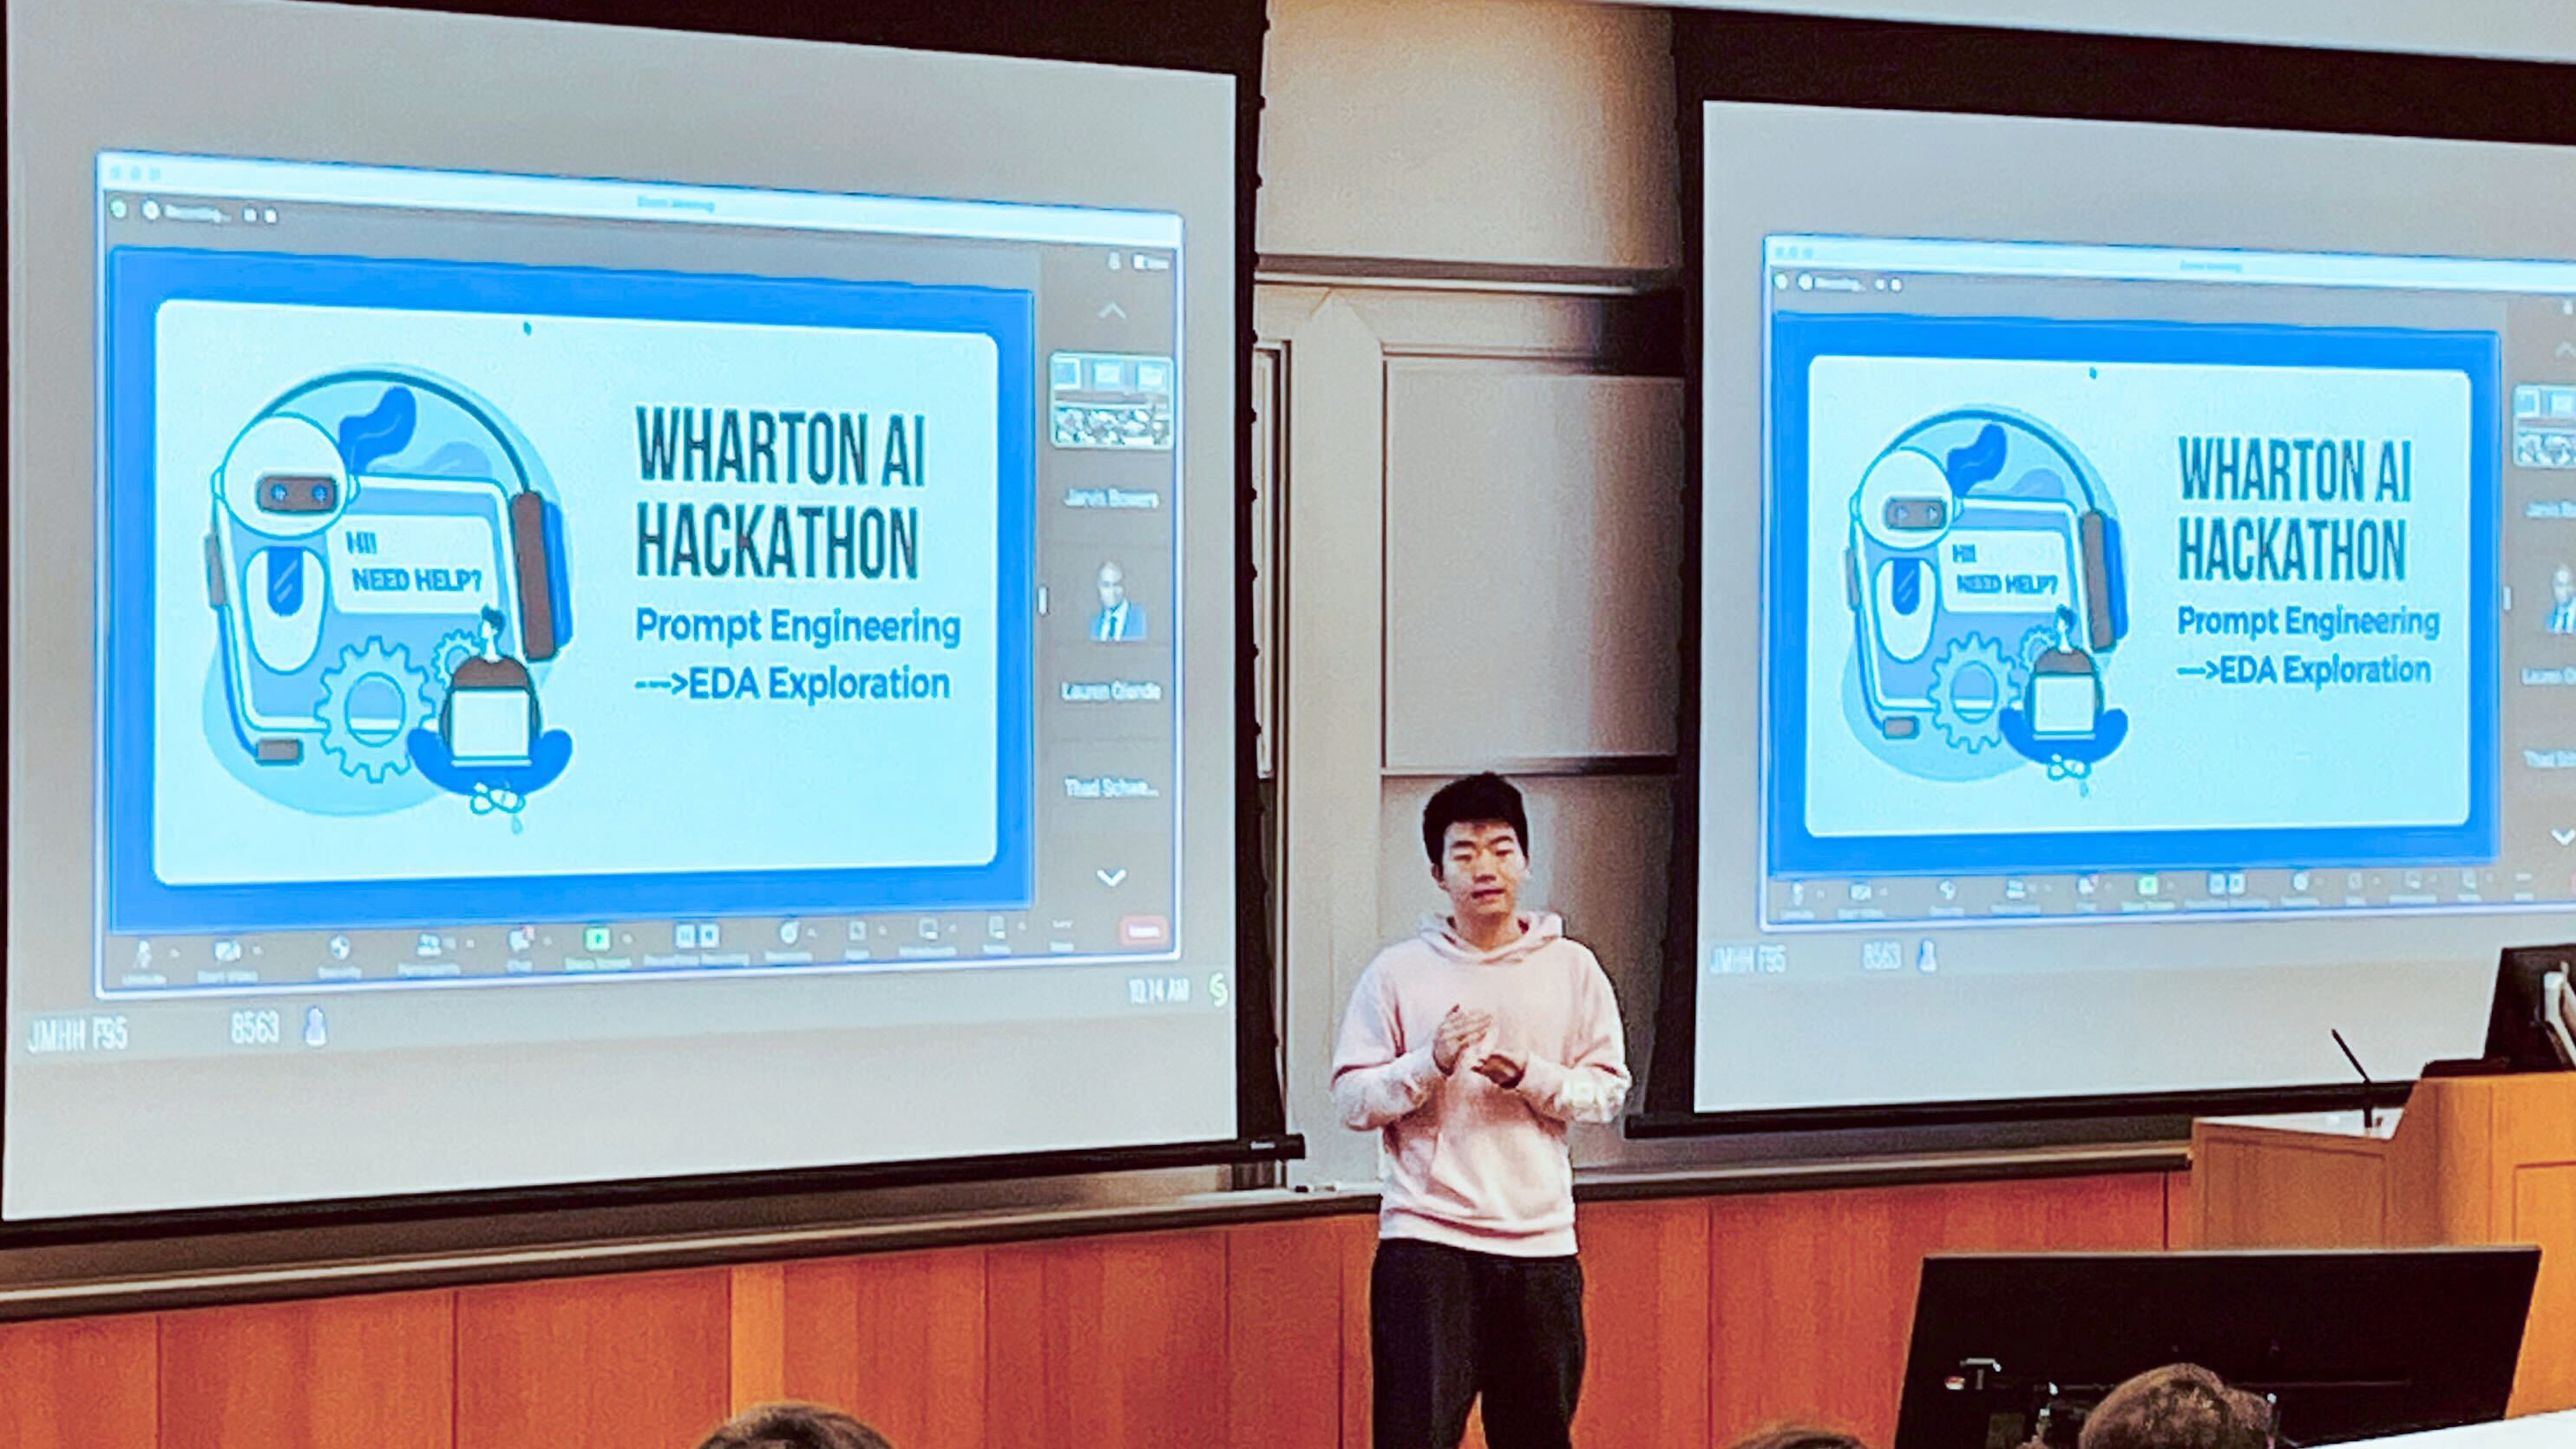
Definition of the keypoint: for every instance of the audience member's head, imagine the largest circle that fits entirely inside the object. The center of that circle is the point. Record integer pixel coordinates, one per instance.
(2179, 1406)
(1798, 1436)
(793, 1426)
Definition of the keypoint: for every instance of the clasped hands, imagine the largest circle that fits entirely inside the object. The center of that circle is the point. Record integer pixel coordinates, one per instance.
(1462, 1029)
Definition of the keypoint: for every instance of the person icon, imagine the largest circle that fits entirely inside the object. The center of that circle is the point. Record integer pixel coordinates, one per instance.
(490, 716)
(1120, 618)
(2562, 601)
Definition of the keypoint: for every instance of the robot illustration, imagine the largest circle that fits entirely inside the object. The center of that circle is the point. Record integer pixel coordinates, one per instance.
(375, 535)
(1983, 571)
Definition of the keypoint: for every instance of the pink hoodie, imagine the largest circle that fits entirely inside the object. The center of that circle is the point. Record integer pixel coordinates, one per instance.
(1469, 1163)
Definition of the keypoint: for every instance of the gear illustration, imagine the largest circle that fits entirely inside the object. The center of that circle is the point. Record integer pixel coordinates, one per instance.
(2039, 639)
(453, 648)
(371, 744)
(1973, 728)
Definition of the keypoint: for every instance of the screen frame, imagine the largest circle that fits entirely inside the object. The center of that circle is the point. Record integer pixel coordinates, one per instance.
(1890, 66)
(1224, 39)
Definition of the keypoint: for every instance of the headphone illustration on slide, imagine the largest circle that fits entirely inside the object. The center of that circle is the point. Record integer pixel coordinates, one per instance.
(1986, 581)
(388, 574)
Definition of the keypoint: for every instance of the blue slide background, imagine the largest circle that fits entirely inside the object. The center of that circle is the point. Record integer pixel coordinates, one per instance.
(1798, 339)
(139, 281)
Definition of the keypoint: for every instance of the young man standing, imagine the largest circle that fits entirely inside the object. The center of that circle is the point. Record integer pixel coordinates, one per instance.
(1470, 1048)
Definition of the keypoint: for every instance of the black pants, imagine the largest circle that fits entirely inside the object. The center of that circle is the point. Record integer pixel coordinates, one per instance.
(1446, 1325)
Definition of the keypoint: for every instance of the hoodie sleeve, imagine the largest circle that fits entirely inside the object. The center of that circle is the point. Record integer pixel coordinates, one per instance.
(1593, 1085)
(1375, 1080)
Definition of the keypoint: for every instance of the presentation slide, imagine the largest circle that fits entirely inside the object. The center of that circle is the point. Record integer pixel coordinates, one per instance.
(707, 654)
(836, 591)
(2146, 662)
(1994, 665)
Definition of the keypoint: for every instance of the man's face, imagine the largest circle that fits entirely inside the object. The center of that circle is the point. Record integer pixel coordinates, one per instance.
(1113, 586)
(1481, 867)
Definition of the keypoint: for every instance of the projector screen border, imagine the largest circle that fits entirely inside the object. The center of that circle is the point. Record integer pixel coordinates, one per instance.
(1898, 66)
(1223, 39)
(2174, 1107)
(1247, 1151)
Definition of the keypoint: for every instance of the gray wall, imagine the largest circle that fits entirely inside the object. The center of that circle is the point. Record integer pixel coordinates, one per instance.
(2522, 29)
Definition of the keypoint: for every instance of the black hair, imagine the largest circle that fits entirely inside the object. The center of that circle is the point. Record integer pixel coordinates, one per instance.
(1794, 1436)
(793, 1426)
(1469, 801)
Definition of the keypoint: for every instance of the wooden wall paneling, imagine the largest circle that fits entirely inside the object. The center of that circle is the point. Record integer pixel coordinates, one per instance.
(2544, 1212)
(2182, 1213)
(2442, 1166)
(2275, 1190)
(614, 1362)
(1707, 1317)
(378, 1371)
(897, 1340)
(1646, 1322)
(1284, 1353)
(79, 1383)
(756, 1320)
(1117, 1340)
(2530, 1165)
(1358, 1249)
(1812, 1294)
(2473, 1160)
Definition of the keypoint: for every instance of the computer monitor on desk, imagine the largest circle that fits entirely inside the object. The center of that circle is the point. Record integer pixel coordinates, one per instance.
(2351, 1344)
(2531, 1022)
(2532, 1025)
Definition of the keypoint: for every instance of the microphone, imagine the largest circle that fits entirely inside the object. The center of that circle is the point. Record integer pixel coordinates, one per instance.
(2369, 1115)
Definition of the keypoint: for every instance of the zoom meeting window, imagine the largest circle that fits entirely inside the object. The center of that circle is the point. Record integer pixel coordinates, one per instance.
(682, 668)
(2171, 639)
(443, 577)
(2051, 523)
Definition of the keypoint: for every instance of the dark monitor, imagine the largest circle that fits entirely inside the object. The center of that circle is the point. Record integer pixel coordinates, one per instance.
(2352, 1344)
(2532, 1025)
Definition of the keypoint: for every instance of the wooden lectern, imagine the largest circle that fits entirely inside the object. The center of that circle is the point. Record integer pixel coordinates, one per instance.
(2468, 1160)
